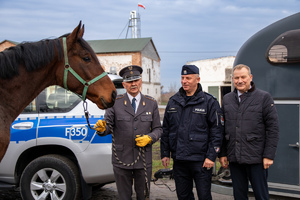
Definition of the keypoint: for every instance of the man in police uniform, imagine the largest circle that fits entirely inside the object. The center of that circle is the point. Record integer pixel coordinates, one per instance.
(192, 136)
(136, 123)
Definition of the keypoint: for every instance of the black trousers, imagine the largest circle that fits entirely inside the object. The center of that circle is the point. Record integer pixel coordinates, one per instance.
(241, 174)
(185, 172)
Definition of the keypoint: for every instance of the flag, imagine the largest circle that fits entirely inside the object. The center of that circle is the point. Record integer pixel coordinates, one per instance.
(141, 5)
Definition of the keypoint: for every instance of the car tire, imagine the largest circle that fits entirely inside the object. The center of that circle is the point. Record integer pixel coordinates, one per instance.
(51, 177)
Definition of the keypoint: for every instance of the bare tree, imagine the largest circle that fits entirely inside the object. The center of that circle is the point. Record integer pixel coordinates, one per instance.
(173, 88)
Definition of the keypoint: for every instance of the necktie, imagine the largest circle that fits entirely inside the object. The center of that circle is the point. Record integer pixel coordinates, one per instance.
(241, 97)
(133, 104)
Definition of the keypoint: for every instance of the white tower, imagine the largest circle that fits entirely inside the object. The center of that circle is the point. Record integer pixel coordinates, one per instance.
(134, 24)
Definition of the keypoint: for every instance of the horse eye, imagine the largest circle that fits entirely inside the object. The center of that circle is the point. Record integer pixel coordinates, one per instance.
(86, 59)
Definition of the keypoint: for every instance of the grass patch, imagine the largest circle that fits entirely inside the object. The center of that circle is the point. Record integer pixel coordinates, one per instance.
(156, 160)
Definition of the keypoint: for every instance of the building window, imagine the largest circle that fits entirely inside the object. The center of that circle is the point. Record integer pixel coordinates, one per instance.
(149, 74)
(147, 90)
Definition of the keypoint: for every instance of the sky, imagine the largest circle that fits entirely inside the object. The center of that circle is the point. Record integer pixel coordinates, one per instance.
(182, 30)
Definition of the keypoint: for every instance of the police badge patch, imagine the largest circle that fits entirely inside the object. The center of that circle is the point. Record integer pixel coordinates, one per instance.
(217, 149)
(222, 120)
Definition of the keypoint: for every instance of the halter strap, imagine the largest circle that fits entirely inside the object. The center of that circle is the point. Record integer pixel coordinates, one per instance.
(68, 68)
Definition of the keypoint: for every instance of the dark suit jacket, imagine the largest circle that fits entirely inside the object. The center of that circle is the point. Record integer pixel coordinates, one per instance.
(127, 124)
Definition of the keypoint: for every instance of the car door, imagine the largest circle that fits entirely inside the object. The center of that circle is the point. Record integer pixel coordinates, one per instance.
(24, 127)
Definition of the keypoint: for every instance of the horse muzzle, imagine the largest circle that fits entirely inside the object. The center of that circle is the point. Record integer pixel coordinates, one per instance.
(106, 104)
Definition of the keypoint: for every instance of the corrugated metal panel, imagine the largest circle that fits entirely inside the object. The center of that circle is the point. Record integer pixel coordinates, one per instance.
(119, 45)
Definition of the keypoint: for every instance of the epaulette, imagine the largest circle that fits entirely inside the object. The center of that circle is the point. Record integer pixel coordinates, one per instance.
(149, 97)
(208, 94)
(119, 96)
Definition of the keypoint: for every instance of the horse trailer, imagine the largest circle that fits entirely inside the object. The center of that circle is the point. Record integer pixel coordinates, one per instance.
(273, 54)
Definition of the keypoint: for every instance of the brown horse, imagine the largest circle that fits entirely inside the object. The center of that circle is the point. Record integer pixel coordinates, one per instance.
(28, 68)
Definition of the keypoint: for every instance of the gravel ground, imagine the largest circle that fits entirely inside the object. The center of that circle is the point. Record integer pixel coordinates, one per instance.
(158, 191)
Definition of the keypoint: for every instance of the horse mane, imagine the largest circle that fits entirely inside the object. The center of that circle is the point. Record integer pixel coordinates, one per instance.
(33, 55)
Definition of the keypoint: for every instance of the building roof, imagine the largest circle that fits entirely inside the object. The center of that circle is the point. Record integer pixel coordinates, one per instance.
(119, 45)
(16, 43)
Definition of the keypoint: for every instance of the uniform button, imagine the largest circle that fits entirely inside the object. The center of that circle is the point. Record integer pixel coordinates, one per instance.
(135, 119)
(135, 129)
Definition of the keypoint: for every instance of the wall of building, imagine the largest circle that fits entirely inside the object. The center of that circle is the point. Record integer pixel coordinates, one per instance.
(151, 78)
(151, 69)
(215, 73)
(118, 60)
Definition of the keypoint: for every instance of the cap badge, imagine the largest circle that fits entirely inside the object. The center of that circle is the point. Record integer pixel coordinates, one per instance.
(130, 67)
(184, 72)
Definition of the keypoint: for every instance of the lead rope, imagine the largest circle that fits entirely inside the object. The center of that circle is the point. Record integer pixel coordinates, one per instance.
(146, 175)
(86, 113)
(141, 152)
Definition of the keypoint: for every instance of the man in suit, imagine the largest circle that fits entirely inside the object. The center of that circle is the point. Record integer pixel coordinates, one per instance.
(251, 135)
(136, 124)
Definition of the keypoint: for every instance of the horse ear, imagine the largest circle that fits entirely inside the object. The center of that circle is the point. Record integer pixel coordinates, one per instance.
(81, 31)
(77, 33)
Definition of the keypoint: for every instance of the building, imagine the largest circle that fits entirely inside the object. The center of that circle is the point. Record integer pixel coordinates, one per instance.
(215, 75)
(116, 54)
(6, 44)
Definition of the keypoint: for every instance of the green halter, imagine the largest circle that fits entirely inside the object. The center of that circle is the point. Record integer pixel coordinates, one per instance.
(69, 69)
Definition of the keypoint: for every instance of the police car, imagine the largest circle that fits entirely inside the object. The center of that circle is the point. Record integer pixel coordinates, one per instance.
(53, 154)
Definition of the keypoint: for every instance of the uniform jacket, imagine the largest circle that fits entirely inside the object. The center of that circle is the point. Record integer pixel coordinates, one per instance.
(251, 127)
(192, 131)
(127, 124)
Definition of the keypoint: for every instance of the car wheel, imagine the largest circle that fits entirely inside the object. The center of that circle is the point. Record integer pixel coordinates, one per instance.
(50, 177)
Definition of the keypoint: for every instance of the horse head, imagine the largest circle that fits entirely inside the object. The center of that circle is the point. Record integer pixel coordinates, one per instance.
(87, 77)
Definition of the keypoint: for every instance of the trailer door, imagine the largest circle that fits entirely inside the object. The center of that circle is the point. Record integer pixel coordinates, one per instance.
(285, 169)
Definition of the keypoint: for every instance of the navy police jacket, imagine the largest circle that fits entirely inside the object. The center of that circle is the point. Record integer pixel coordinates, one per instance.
(192, 130)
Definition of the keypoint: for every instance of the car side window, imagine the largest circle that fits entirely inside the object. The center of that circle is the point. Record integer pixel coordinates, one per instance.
(31, 108)
(57, 99)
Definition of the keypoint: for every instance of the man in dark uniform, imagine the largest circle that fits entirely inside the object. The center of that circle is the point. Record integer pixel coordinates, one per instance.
(136, 124)
(192, 134)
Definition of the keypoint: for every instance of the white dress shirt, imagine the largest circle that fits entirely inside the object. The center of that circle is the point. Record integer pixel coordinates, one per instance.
(137, 100)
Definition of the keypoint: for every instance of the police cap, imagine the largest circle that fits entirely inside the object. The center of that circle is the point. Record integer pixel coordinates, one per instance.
(189, 69)
(131, 73)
